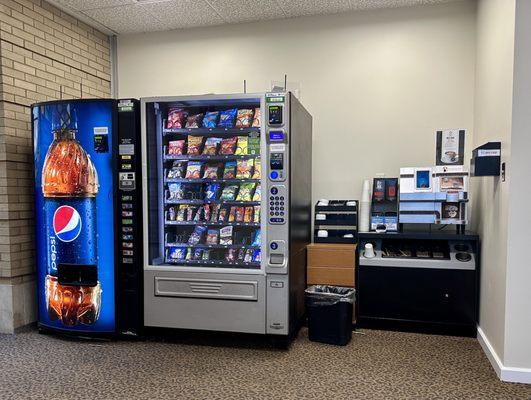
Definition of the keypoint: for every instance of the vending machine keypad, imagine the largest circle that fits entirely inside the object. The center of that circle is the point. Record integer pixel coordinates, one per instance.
(277, 205)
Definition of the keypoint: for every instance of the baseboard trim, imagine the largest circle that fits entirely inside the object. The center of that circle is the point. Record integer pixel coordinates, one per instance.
(506, 374)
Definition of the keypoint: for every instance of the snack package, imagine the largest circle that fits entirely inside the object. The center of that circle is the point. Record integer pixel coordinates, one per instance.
(230, 256)
(180, 214)
(197, 235)
(240, 212)
(189, 254)
(241, 254)
(256, 255)
(257, 170)
(199, 213)
(211, 171)
(241, 148)
(176, 253)
(206, 255)
(230, 170)
(244, 118)
(248, 256)
(214, 213)
(243, 169)
(222, 216)
(175, 191)
(229, 192)
(171, 215)
(194, 170)
(232, 214)
(194, 121)
(256, 119)
(207, 210)
(212, 190)
(194, 145)
(175, 118)
(190, 212)
(246, 192)
(248, 217)
(256, 217)
(257, 196)
(211, 146)
(210, 120)
(228, 146)
(176, 147)
(177, 170)
(256, 238)
(253, 145)
(225, 235)
(197, 254)
(226, 118)
(212, 237)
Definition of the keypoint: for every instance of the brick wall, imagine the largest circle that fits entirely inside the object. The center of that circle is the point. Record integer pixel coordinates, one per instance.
(44, 54)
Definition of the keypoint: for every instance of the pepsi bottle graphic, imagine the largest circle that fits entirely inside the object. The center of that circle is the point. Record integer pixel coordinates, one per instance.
(70, 185)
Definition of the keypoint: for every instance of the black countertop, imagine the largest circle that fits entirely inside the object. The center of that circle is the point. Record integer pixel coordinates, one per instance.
(434, 234)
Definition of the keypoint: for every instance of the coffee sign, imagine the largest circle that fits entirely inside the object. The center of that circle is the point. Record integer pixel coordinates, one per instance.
(450, 147)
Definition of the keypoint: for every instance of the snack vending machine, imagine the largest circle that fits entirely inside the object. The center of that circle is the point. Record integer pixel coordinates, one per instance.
(87, 192)
(227, 211)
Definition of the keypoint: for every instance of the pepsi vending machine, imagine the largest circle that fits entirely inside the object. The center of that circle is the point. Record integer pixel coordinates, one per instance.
(87, 197)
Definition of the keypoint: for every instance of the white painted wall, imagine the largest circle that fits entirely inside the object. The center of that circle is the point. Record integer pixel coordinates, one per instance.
(492, 122)
(518, 290)
(378, 83)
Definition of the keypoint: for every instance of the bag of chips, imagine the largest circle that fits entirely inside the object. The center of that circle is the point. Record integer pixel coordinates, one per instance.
(211, 146)
(228, 146)
(248, 256)
(230, 170)
(254, 145)
(210, 120)
(229, 192)
(226, 118)
(257, 171)
(243, 142)
(189, 254)
(212, 237)
(256, 119)
(197, 254)
(256, 255)
(175, 118)
(194, 145)
(256, 218)
(199, 213)
(197, 235)
(256, 238)
(180, 214)
(244, 118)
(241, 254)
(211, 193)
(248, 217)
(194, 121)
(176, 147)
(175, 191)
(257, 196)
(194, 170)
(211, 171)
(222, 214)
(240, 212)
(206, 255)
(177, 170)
(176, 253)
(243, 169)
(246, 192)
(232, 214)
(225, 235)
(190, 212)
(230, 256)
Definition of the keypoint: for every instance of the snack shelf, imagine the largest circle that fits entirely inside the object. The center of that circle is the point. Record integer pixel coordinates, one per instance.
(207, 180)
(200, 202)
(210, 131)
(206, 263)
(218, 157)
(194, 223)
(211, 246)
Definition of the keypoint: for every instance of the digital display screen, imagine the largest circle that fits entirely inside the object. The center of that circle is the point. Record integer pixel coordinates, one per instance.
(275, 115)
(276, 161)
(275, 136)
(423, 179)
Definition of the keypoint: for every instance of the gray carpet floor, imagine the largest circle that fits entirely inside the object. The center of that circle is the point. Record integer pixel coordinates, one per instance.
(375, 365)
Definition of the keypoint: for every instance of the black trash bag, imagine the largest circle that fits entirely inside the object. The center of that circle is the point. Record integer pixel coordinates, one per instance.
(329, 295)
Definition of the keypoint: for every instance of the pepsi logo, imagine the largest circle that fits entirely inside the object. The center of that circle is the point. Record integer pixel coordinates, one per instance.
(66, 223)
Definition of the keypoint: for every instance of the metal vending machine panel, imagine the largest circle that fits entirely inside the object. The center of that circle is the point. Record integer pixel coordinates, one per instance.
(74, 205)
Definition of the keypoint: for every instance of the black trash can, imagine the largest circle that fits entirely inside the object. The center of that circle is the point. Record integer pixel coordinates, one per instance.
(329, 310)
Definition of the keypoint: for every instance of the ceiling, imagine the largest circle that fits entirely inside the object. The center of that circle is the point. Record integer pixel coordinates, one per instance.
(134, 16)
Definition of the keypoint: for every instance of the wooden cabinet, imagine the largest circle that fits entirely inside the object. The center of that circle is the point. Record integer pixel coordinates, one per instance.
(331, 264)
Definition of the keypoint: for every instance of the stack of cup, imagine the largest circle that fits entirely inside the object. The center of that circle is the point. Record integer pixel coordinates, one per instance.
(365, 207)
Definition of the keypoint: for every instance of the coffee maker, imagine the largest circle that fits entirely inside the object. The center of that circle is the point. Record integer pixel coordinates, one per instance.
(384, 206)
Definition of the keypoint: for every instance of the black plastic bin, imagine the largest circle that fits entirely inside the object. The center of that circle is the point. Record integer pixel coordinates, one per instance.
(329, 310)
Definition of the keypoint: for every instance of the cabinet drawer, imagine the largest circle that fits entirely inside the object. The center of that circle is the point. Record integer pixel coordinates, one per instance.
(330, 276)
